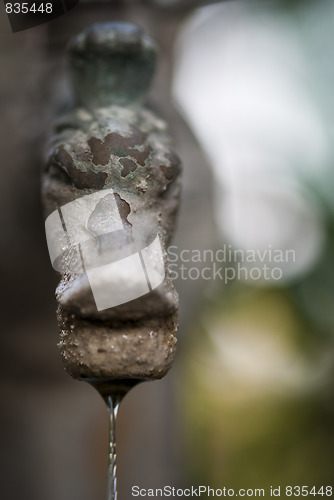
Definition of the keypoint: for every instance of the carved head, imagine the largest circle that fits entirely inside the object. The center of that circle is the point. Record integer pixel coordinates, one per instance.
(111, 187)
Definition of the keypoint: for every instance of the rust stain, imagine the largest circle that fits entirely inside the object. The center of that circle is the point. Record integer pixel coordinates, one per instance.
(140, 156)
(99, 150)
(80, 180)
(128, 166)
(115, 144)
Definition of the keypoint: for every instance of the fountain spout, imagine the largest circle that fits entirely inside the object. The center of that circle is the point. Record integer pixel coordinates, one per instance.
(111, 191)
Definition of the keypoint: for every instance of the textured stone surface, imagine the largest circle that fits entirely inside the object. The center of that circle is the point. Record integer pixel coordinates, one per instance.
(135, 350)
(98, 145)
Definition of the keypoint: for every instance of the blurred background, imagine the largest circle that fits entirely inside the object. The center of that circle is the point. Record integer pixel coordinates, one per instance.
(246, 87)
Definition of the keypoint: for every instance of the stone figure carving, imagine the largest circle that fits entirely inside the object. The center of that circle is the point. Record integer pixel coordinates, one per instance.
(111, 192)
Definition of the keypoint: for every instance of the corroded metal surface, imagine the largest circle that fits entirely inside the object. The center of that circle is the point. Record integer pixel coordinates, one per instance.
(108, 140)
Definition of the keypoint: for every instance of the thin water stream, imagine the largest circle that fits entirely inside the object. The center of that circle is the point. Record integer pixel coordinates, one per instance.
(112, 405)
(113, 391)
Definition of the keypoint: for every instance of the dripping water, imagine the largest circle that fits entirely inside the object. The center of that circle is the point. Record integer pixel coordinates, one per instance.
(112, 391)
(112, 405)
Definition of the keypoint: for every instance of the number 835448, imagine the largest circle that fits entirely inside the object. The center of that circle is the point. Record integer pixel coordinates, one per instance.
(27, 8)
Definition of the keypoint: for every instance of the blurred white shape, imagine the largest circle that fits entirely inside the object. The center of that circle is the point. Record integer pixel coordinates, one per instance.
(68, 226)
(118, 282)
(77, 213)
(242, 82)
(281, 216)
(154, 263)
(263, 358)
(55, 237)
(127, 279)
